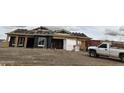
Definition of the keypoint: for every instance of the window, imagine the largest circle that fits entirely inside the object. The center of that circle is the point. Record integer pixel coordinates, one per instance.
(41, 42)
(21, 41)
(103, 46)
(12, 41)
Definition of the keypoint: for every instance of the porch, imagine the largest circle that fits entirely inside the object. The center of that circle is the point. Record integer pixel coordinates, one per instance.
(35, 42)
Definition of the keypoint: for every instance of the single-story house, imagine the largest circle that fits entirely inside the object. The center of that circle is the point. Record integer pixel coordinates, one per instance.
(1, 41)
(43, 37)
(94, 42)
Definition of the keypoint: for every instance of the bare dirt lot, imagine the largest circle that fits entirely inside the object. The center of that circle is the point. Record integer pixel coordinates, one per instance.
(48, 57)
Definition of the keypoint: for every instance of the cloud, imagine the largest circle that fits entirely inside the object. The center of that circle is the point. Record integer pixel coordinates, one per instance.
(18, 27)
(115, 32)
(121, 28)
(111, 32)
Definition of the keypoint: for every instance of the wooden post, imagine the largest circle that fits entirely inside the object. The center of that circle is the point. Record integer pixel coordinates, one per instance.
(7, 38)
(25, 44)
(16, 42)
(84, 45)
(76, 41)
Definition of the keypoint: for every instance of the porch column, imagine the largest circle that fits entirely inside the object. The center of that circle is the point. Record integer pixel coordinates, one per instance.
(84, 45)
(49, 42)
(25, 44)
(7, 38)
(16, 42)
(76, 41)
(35, 42)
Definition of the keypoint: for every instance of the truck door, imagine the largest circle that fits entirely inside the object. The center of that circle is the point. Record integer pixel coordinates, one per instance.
(103, 49)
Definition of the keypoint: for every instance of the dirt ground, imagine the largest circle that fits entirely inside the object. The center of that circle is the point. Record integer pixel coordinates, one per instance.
(48, 57)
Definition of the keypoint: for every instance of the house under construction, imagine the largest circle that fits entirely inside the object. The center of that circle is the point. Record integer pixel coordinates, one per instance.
(43, 37)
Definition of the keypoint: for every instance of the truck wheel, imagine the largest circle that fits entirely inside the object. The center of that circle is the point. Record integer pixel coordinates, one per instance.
(122, 58)
(92, 54)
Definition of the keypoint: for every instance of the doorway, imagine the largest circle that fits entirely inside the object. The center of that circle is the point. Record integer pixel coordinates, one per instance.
(57, 43)
(30, 43)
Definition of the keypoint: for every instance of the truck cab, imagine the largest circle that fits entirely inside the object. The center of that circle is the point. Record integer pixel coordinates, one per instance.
(103, 49)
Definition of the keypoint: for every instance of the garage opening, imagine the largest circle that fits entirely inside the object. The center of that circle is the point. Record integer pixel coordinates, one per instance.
(57, 43)
(30, 43)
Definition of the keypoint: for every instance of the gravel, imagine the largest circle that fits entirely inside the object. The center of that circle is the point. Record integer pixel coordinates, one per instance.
(49, 57)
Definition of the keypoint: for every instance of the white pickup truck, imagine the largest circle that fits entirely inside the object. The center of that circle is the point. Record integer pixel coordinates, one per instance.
(106, 49)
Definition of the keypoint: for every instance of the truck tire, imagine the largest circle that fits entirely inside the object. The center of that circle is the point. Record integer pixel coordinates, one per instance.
(122, 58)
(92, 54)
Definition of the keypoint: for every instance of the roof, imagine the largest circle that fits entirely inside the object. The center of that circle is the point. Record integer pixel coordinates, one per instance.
(45, 31)
(62, 31)
(1, 40)
(39, 30)
(79, 34)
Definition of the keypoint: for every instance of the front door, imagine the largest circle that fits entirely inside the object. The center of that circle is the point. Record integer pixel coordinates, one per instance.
(30, 43)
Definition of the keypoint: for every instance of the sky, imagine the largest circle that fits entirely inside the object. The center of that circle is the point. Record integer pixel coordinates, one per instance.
(115, 33)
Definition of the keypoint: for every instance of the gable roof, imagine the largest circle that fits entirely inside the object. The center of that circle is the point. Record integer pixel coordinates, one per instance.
(62, 31)
(79, 34)
(45, 31)
(41, 28)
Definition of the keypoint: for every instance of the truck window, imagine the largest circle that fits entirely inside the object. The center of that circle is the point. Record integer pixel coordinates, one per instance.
(103, 46)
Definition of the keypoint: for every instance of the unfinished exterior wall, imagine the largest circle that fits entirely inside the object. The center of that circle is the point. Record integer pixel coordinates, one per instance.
(69, 44)
(43, 37)
(83, 45)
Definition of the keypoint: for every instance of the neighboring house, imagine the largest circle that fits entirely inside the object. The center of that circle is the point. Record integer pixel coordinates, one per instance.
(93, 42)
(1, 40)
(98, 42)
(43, 37)
(117, 44)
